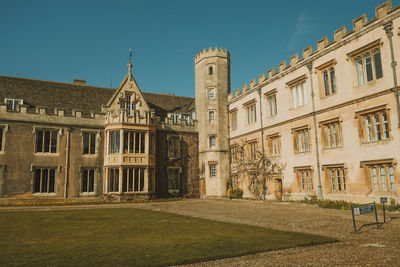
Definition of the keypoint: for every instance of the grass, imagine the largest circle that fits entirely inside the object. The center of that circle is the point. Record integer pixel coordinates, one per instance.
(128, 236)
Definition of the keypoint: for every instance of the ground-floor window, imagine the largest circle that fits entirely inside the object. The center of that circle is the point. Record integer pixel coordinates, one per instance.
(113, 180)
(87, 181)
(132, 179)
(337, 178)
(44, 180)
(304, 177)
(173, 180)
(382, 177)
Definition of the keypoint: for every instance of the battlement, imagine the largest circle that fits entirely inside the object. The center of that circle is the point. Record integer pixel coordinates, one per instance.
(212, 52)
(340, 35)
(42, 115)
(181, 125)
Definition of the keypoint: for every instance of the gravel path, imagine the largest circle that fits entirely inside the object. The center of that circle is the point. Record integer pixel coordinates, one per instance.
(369, 247)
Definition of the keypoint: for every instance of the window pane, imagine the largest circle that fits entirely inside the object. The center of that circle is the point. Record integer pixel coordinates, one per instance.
(368, 128)
(374, 179)
(1, 139)
(326, 83)
(39, 141)
(126, 142)
(141, 179)
(117, 142)
(275, 106)
(368, 67)
(84, 180)
(359, 67)
(111, 180)
(333, 181)
(85, 143)
(112, 142)
(137, 142)
(37, 181)
(334, 135)
(378, 64)
(299, 95)
(45, 176)
(392, 179)
(339, 184)
(294, 98)
(344, 180)
(53, 141)
(377, 127)
(46, 141)
(385, 125)
(136, 184)
(329, 135)
(52, 178)
(92, 143)
(333, 85)
(142, 143)
(91, 181)
(130, 184)
(305, 93)
(382, 175)
(124, 180)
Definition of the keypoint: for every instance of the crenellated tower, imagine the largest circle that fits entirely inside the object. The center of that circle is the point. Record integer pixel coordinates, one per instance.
(212, 85)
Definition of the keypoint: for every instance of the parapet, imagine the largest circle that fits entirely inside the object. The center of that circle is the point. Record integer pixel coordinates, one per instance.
(216, 52)
(181, 125)
(339, 35)
(58, 116)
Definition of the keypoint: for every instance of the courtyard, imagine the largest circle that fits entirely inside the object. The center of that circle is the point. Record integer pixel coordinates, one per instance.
(370, 246)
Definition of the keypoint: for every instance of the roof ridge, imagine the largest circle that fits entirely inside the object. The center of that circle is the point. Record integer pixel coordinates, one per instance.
(39, 80)
(167, 95)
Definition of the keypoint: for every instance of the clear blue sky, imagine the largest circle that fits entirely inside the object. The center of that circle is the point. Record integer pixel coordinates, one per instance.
(62, 40)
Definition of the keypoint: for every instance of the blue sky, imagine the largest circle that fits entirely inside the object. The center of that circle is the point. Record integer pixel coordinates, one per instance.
(63, 40)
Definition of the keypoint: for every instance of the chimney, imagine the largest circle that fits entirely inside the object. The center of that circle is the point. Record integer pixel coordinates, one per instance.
(79, 82)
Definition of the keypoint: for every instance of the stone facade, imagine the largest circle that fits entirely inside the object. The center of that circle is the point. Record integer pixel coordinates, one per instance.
(332, 116)
(116, 147)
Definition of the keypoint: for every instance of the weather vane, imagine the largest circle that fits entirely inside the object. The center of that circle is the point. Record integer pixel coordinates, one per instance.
(130, 54)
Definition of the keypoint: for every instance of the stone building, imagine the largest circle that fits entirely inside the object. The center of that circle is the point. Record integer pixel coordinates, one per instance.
(332, 116)
(74, 141)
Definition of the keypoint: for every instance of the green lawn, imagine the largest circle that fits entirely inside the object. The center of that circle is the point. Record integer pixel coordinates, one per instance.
(118, 236)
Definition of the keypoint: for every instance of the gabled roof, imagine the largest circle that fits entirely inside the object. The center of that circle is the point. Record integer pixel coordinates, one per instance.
(68, 96)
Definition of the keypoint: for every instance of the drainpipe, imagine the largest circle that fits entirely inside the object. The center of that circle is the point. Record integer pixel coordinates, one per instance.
(262, 145)
(229, 147)
(309, 66)
(67, 152)
(388, 28)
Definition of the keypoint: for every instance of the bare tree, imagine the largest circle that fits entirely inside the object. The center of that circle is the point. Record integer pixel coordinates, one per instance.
(257, 168)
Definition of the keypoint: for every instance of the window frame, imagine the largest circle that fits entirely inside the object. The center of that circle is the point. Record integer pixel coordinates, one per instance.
(114, 146)
(212, 141)
(327, 78)
(212, 170)
(90, 133)
(368, 126)
(49, 169)
(88, 169)
(365, 63)
(301, 134)
(304, 177)
(328, 135)
(374, 175)
(174, 146)
(211, 118)
(15, 102)
(336, 182)
(174, 177)
(251, 111)
(274, 145)
(252, 147)
(43, 130)
(234, 119)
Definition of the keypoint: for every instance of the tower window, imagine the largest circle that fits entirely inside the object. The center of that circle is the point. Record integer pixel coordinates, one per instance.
(210, 70)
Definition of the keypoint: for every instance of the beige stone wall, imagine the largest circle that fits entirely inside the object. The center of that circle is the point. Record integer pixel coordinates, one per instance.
(345, 104)
(218, 81)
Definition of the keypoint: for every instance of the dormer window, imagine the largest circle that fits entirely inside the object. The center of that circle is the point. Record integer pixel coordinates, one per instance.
(12, 103)
(210, 70)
